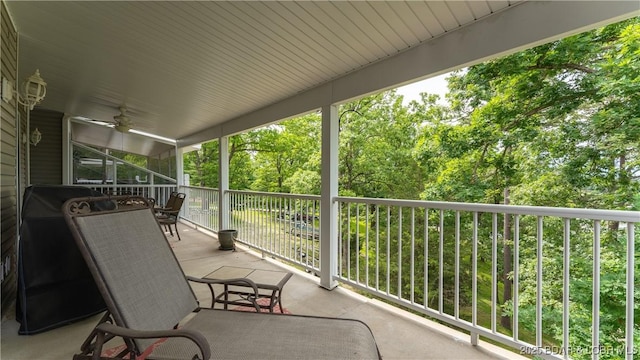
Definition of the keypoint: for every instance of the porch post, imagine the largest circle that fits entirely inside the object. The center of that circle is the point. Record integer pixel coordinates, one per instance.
(179, 177)
(223, 183)
(329, 190)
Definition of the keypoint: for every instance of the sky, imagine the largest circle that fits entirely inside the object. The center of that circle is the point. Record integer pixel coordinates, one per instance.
(435, 85)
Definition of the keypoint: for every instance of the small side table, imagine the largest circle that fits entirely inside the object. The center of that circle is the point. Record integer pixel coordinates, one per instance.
(269, 283)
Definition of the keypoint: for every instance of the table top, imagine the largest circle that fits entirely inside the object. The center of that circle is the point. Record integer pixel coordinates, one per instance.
(264, 279)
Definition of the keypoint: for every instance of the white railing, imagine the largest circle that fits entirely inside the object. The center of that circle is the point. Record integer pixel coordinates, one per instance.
(447, 260)
(283, 226)
(201, 207)
(160, 193)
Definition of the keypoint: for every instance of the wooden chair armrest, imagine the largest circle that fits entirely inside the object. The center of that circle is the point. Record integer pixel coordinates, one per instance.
(168, 213)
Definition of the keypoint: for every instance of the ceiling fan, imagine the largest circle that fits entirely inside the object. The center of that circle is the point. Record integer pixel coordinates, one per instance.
(122, 122)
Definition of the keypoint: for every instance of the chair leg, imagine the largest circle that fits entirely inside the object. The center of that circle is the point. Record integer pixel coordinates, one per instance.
(177, 233)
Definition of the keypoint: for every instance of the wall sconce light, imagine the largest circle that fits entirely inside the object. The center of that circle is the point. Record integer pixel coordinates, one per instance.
(36, 136)
(34, 90)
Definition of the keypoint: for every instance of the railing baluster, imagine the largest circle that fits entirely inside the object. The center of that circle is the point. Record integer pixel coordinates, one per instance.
(357, 250)
(340, 238)
(595, 332)
(366, 248)
(474, 278)
(242, 222)
(255, 233)
(388, 250)
(287, 230)
(629, 344)
(278, 224)
(426, 258)
(565, 288)
(441, 265)
(272, 222)
(348, 242)
(456, 310)
(377, 247)
(516, 276)
(413, 257)
(309, 234)
(399, 252)
(316, 207)
(494, 271)
(539, 283)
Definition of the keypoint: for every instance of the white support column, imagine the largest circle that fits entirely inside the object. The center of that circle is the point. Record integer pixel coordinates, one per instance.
(223, 182)
(329, 190)
(114, 172)
(179, 177)
(179, 166)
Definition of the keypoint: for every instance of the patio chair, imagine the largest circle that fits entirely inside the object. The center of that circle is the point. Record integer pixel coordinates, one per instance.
(168, 216)
(152, 307)
(168, 205)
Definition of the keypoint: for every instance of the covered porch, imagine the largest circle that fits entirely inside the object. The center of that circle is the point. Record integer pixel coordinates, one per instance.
(187, 99)
(400, 334)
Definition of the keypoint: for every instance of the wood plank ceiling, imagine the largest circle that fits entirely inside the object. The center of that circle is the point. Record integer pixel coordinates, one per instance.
(181, 67)
(184, 66)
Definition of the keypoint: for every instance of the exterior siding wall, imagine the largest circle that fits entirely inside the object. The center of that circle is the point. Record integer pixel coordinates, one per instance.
(9, 144)
(46, 157)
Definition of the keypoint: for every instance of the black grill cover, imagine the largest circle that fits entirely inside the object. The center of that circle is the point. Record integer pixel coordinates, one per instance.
(55, 287)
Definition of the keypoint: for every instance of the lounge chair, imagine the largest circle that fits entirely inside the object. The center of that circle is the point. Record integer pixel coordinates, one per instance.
(152, 307)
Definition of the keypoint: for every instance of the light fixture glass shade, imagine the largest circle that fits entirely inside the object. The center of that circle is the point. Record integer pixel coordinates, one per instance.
(35, 90)
(36, 136)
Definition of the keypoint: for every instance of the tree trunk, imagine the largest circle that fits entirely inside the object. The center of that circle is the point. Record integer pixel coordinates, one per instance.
(505, 320)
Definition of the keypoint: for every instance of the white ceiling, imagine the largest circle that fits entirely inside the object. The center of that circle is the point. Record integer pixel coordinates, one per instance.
(183, 68)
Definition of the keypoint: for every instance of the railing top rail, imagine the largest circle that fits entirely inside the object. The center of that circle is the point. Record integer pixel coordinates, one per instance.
(280, 195)
(126, 185)
(198, 187)
(592, 214)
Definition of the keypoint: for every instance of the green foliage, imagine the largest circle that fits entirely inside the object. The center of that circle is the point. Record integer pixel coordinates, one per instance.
(557, 125)
(377, 135)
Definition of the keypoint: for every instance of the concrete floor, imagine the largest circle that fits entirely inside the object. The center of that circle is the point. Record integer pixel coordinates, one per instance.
(399, 334)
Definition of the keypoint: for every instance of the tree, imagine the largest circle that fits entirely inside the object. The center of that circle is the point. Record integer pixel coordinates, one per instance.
(556, 125)
(377, 135)
(202, 165)
(285, 148)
